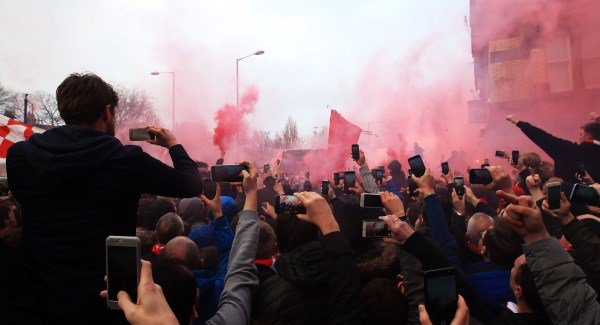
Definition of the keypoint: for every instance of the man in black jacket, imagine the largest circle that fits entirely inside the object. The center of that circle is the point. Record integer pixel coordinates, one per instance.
(77, 184)
(567, 154)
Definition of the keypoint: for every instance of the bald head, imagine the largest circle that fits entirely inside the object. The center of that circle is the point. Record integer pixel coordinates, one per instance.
(478, 223)
(168, 227)
(183, 249)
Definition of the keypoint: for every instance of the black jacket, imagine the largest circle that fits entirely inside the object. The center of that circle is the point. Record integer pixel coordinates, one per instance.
(586, 250)
(566, 154)
(76, 186)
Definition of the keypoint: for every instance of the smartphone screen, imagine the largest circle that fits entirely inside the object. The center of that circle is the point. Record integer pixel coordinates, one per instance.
(581, 169)
(349, 180)
(122, 271)
(441, 298)
(554, 196)
(288, 203)
(140, 134)
(325, 188)
(445, 168)
(499, 153)
(355, 152)
(459, 185)
(584, 195)
(375, 228)
(480, 176)
(226, 173)
(515, 157)
(266, 168)
(336, 178)
(416, 165)
(369, 200)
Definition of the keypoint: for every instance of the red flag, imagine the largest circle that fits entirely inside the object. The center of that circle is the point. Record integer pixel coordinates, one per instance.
(342, 134)
(12, 131)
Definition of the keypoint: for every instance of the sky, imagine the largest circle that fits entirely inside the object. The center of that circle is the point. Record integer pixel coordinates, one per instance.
(317, 53)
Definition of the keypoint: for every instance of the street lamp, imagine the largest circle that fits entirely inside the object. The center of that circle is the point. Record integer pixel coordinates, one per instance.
(156, 73)
(237, 76)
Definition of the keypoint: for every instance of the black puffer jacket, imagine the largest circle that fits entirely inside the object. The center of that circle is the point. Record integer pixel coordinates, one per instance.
(298, 293)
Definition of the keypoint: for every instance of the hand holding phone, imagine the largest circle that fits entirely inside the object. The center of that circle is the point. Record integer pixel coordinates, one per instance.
(227, 173)
(355, 152)
(375, 229)
(371, 200)
(289, 204)
(416, 165)
(459, 185)
(441, 297)
(140, 134)
(445, 168)
(554, 196)
(349, 181)
(122, 267)
(515, 157)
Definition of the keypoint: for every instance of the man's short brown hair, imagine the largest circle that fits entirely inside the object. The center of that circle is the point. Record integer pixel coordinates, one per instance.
(82, 97)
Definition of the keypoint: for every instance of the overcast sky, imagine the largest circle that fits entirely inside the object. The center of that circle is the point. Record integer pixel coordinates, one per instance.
(316, 52)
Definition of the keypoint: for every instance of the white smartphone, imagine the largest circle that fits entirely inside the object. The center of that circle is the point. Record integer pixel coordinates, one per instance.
(122, 267)
(371, 200)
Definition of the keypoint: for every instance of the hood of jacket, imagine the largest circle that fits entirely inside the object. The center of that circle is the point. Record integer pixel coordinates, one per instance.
(69, 151)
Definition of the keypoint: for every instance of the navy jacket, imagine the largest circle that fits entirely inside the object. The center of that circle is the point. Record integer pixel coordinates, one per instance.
(76, 186)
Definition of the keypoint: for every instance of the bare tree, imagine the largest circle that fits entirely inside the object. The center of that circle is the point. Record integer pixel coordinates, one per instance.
(44, 109)
(135, 109)
(7, 102)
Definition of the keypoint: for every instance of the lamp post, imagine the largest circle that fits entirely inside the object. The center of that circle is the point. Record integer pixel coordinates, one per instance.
(156, 73)
(237, 76)
(369, 132)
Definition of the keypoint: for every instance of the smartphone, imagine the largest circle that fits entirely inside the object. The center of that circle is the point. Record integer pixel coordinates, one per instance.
(266, 168)
(524, 174)
(122, 267)
(371, 200)
(554, 196)
(288, 203)
(378, 174)
(227, 173)
(584, 195)
(459, 185)
(499, 153)
(441, 297)
(375, 229)
(349, 180)
(325, 187)
(355, 152)
(480, 176)
(336, 178)
(416, 165)
(140, 135)
(515, 157)
(580, 169)
(445, 168)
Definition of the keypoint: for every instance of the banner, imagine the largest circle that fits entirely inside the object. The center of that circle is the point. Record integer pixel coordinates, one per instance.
(342, 134)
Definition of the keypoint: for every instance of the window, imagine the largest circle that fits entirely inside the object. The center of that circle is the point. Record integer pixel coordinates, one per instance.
(560, 75)
(590, 59)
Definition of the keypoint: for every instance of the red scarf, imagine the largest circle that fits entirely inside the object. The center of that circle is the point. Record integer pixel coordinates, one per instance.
(156, 249)
(268, 262)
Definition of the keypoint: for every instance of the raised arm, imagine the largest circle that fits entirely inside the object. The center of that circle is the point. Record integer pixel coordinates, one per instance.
(552, 145)
(369, 183)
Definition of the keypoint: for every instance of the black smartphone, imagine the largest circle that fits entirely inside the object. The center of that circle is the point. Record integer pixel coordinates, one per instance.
(266, 168)
(499, 153)
(288, 203)
(378, 174)
(524, 174)
(140, 134)
(445, 168)
(480, 176)
(355, 152)
(441, 297)
(459, 185)
(227, 173)
(349, 180)
(515, 157)
(375, 229)
(325, 188)
(122, 267)
(585, 195)
(554, 196)
(416, 165)
(371, 200)
(580, 169)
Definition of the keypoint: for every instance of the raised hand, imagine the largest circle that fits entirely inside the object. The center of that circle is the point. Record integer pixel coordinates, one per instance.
(460, 318)
(512, 119)
(163, 137)
(318, 212)
(214, 205)
(392, 204)
(401, 230)
(523, 216)
(425, 182)
(564, 212)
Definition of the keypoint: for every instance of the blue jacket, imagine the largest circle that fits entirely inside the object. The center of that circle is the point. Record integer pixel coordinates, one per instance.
(219, 234)
(492, 282)
(440, 232)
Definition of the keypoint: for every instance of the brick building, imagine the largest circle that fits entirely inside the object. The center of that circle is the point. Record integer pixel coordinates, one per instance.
(533, 61)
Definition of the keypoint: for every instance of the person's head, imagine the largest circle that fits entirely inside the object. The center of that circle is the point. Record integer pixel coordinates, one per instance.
(269, 182)
(530, 159)
(267, 241)
(85, 99)
(209, 258)
(523, 286)
(183, 249)
(157, 209)
(179, 286)
(384, 302)
(292, 232)
(168, 227)
(7, 217)
(589, 132)
(545, 170)
(477, 224)
(191, 211)
(201, 166)
(500, 244)
(307, 186)
(220, 161)
(395, 168)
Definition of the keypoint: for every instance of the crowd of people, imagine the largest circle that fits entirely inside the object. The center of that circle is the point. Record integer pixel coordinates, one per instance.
(218, 253)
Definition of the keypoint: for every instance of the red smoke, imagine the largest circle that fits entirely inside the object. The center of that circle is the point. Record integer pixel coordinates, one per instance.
(231, 123)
